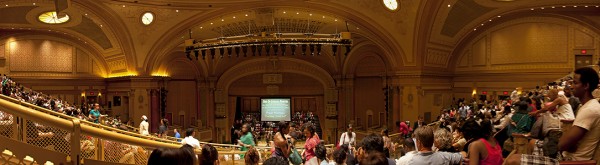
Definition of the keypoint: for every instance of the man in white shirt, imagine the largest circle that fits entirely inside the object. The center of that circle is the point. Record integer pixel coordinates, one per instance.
(190, 140)
(144, 126)
(581, 141)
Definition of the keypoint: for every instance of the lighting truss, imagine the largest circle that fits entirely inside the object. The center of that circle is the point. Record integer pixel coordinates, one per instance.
(240, 45)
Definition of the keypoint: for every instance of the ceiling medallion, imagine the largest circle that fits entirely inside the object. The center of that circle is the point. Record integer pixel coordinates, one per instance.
(51, 17)
(391, 5)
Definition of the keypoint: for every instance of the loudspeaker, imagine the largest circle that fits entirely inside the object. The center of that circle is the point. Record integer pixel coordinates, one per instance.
(62, 5)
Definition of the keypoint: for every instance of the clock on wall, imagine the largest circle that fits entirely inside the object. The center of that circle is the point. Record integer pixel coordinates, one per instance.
(147, 18)
(391, 4)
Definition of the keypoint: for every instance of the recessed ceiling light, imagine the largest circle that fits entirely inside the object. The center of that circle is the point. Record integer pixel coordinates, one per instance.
(542, 8)
(85, 14)
(323, 16)
(310, 14)
(100, 25)
(34, 3)
(246, 15)
(474, 29)
(357, 28)
(586, 6)
(335, 19)
(499, 16)
(481, 24)
(201, 27)
(222, 19)
(490, 20)
(123, 5)
(6, 5)
(449, 5)
(532, 9)
(283, 12)
(574, 6)
(564, 6)
(297, 12)
(211, 23)
(234, 17)
(553, 7)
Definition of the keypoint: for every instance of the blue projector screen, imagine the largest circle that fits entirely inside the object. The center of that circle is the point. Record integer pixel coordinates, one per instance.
(275, 109)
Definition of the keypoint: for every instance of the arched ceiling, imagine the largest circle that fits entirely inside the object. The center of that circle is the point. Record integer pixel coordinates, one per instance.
(420, 35)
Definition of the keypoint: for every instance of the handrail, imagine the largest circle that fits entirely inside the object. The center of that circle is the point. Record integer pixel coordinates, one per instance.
(54, 121)
(67, 117)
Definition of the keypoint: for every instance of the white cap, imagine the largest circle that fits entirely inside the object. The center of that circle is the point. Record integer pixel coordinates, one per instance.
(144, 117)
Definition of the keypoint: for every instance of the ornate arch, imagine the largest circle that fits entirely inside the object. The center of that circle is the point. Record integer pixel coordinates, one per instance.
(284, 64)
(361, 51)
(376, 33)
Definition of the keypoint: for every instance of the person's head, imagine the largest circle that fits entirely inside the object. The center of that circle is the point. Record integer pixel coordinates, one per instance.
(321, 152)
(385, 132)
(567, 92)
(349, 130)
(189, 132)
(585, 82)
(424, 137)
(171, 156)
(96, 106)
(251, 157)
(292, 127)
(144, 118)
(209, 155)
(372, 143)
(339, 155)
(442, 139)
(276, 161)
(374, 158)
(553, 94)
(283, 127)
(309, 131)
(175, 131)
(409, 144)
(421, 119)
(245, 128)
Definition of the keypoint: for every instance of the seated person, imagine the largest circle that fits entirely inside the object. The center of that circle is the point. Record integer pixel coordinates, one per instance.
(425, 155)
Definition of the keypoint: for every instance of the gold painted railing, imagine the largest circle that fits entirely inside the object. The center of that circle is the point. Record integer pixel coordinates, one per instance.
(43, 136)
(101, 126)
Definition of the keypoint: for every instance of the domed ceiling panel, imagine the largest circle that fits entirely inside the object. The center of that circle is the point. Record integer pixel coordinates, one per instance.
(93, 31)
(462, 13)
(15, 14)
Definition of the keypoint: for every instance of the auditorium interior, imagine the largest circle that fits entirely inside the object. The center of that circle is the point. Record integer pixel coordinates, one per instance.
(211, 64)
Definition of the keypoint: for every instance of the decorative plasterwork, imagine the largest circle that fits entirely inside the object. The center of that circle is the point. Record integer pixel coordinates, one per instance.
(437, 58)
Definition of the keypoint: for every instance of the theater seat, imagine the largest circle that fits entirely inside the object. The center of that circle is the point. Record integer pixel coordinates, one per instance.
(583, 162)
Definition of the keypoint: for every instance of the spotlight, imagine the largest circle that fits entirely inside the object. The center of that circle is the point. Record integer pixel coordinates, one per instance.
(283, 49)
(347, 50)
(312, 50)
(268, 48)
(260, 50)
(304, 49)
(275, 49)
(245, 49)
(196, 53)
(203, 54)
(293, 50)
(187, 54)
(212, 53)
(319, 49)
(222, 51)
(229, 51)
(253, 50)
(334, 48)
(237, 51)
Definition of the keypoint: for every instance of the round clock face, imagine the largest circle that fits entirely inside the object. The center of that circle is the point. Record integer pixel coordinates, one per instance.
(147, 18)
(391, 4)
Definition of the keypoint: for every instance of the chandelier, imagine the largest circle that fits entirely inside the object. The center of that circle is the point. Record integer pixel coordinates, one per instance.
(253, 44)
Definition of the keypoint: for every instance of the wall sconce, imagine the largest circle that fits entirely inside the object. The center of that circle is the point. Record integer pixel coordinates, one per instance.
(82, 94)
(99, 94)
(474, 92)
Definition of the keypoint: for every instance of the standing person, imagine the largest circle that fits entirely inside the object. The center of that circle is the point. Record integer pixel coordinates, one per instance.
(177, 135)
(190, 140)
(387, 143)
(162, 129)
(95, 113)
(419, 123)
(280, 143)
(144, 126)
(246, 139)
(348, 137)
(312, 140)
(581, 140)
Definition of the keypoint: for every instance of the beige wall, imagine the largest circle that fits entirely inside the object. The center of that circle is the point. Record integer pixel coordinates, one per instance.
(521, 53)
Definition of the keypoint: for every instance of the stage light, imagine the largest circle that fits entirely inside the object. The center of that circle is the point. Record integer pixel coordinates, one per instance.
(304, 49)
(293, 50)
